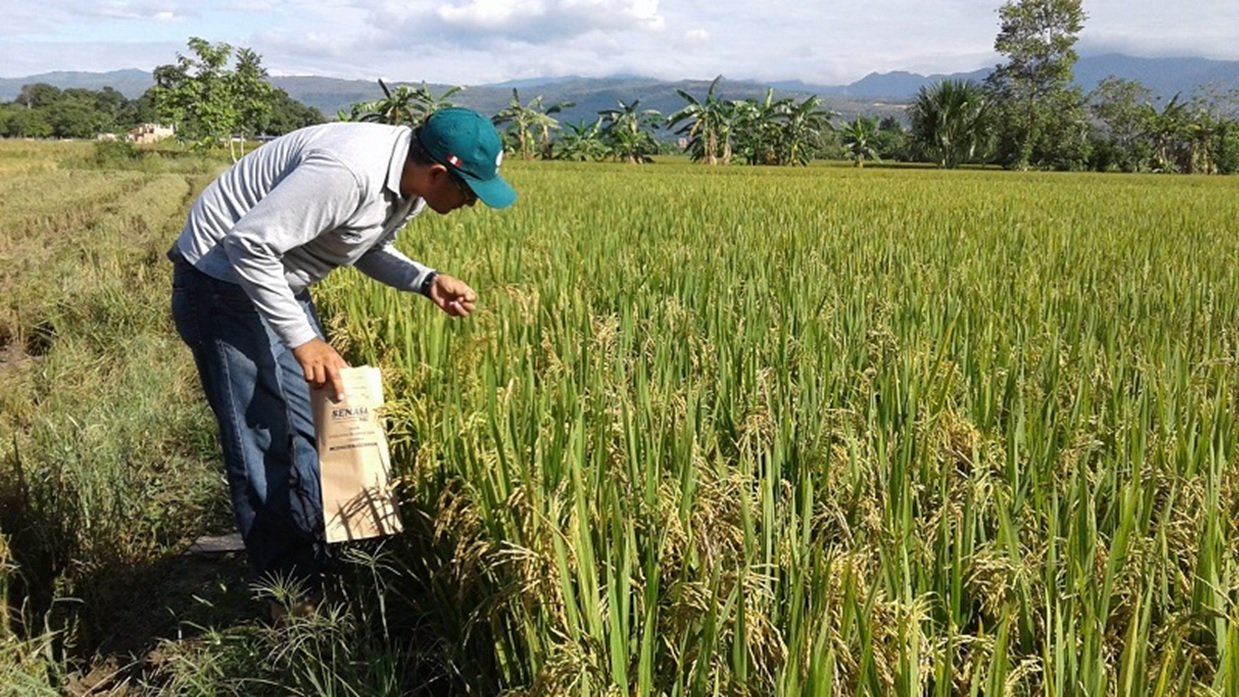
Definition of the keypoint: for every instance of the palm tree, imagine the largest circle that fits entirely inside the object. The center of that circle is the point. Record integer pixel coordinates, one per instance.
(950, 120)
(625, 131)
(706, 125)
(860, 137)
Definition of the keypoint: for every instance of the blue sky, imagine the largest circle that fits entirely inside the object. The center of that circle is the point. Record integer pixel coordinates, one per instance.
(481, 41)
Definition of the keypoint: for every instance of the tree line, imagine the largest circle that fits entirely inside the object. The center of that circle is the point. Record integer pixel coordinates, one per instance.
(210, 94)
(1028, 115)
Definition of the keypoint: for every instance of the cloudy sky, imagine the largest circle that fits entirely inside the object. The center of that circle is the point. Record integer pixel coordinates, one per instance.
(482, 41)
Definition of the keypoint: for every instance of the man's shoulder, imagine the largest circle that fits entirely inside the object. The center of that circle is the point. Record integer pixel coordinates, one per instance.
(350, 133)
(364, 147)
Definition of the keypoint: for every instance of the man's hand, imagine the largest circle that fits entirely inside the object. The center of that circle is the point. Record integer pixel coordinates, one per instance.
(452, 295)
(321, 365)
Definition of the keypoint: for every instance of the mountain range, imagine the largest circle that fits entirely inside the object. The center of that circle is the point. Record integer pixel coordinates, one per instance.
(882, 94)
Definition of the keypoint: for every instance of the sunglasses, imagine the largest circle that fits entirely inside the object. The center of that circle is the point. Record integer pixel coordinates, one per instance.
(461, 184)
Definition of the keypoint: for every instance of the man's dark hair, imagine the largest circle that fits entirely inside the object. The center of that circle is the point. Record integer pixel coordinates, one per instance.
(416, 152)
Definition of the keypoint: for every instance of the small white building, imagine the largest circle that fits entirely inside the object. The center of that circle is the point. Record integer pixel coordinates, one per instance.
(149, 133)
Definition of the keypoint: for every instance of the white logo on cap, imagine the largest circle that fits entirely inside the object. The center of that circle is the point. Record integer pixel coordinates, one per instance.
(498, 159)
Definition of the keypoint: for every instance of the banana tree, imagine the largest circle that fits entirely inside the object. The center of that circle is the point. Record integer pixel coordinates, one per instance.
(860, 137)
(626, 131)
(803, 127)
(523, 119)
(544, 122)
(706, 125)
(397, 106)
(759, 127)
(582, 142)
(403, 105)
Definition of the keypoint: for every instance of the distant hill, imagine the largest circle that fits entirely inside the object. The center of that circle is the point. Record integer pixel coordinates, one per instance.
(131, 83)
(886, 93)
(1164, 76)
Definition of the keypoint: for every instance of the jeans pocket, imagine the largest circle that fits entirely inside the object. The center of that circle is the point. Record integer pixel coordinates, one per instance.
(184, 275)
(232, 298)
(184, 317)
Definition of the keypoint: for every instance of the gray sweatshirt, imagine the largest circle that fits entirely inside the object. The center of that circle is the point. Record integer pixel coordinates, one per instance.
(290, 212)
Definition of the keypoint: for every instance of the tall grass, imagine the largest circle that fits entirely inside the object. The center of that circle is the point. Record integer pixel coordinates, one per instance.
(823, 432)
(104, 451)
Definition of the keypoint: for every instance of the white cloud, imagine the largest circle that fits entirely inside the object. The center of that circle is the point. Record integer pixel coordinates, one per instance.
(563, 17)
(491, 23)
(138, 10)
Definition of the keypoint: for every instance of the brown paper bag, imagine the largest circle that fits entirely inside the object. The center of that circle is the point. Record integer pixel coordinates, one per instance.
(354, 462)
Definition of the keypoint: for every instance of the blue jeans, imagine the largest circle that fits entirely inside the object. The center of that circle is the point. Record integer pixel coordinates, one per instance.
(261, 402)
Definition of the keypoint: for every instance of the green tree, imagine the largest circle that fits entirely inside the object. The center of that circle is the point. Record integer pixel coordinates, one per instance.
(433, 102)
(1191, 137)
(950, 121)
(206, 99)
(1228, 147)
(893, 140)
(356, 112)
(75, 115)
(519, 120)
(140, 110)
(287, 114)
(194, 96)
(38, 94)
(72, 113)
(252, 94)
(1041, 115)
(25, 122)
(396, 106)
(111, 106)
(780, 131)
(1119, 108)
(860, 140)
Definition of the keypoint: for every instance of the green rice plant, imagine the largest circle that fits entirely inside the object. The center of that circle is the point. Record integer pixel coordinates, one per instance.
(711, 431)
(818, 432)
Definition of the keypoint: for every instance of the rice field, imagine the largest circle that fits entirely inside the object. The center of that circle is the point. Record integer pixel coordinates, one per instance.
(712, 431)
(820, 431)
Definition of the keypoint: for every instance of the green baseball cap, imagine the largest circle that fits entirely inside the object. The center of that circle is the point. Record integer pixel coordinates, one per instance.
(467, 144)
